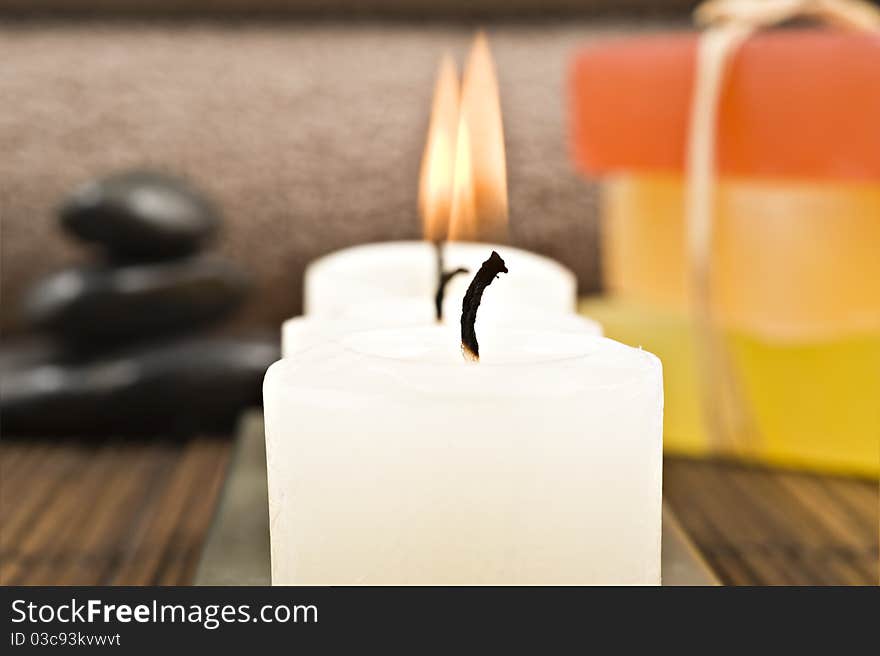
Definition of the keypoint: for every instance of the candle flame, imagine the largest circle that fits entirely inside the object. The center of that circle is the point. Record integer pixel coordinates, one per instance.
(438, 161)
(463, 181)
(463, 224)
(479, 204)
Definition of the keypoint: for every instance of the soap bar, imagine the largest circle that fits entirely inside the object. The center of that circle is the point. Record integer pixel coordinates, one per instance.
(813, 403)
(796, 104)
(790, 261)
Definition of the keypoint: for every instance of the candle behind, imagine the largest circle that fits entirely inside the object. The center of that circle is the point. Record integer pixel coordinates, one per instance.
(305, 332)
(407, 269)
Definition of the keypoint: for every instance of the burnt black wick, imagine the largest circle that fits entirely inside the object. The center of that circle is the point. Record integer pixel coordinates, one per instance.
(443, 278)
(489, 270)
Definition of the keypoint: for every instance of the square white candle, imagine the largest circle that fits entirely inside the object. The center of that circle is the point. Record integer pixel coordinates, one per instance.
(306, 331)
(408, 269)
(393, 461)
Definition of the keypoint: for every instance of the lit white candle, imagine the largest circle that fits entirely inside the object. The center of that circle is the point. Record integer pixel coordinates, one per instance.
(462, 198)
(391, 460)
(408, 269)
(304, 332)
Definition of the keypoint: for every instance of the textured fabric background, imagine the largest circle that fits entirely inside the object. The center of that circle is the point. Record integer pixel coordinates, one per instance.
(308, 135)
(420, 8)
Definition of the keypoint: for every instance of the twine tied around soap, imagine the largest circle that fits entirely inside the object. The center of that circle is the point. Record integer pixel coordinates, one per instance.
(727, 25)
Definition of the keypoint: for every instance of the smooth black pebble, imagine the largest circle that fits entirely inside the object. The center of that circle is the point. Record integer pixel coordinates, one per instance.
(171, 388)
(88, 305)
(140, 215)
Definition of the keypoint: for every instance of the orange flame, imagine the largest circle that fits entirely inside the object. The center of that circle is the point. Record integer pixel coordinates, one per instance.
(479, 205)
(463, 181)
(438, 161)
(463, 224)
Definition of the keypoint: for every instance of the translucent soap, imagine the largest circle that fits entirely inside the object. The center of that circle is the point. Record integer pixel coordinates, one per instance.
(785, 365)
(816, 404)
(791, 261)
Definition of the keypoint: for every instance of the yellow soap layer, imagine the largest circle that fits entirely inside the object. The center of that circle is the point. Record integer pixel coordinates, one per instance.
(797, 261)
(816, 404)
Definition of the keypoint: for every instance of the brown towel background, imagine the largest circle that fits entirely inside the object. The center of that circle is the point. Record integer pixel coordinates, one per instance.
(308, 134)
(351, 8)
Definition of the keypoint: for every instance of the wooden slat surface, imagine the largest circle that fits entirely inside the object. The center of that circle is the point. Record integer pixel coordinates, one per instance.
(771, 527)
(137, 513)
(237, 547)
(112, 513)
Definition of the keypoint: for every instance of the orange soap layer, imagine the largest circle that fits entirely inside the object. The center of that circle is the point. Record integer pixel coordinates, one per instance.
(792, 262)
(797, 104)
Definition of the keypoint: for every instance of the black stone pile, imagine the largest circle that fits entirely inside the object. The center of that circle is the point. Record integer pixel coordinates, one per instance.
(124, 353)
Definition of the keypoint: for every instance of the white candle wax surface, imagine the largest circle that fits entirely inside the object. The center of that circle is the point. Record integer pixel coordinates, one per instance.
(393, 461)
(408, 269)
(306, 331)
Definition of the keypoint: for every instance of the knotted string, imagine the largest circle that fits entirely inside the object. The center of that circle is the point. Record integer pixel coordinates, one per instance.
(728, 23)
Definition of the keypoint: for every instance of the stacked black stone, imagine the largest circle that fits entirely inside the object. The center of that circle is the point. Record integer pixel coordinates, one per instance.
(124, 358)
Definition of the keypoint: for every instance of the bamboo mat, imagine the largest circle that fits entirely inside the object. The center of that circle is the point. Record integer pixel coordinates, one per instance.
(137, 513)
(237, 547)
(772, 527)
(113, 513)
